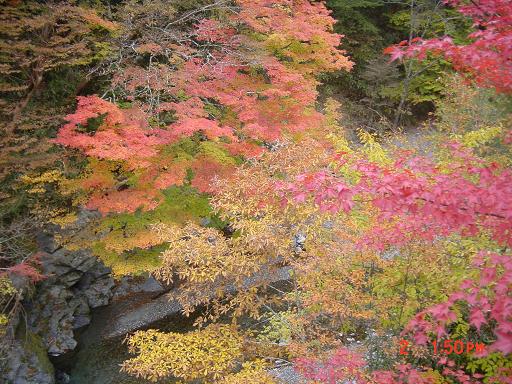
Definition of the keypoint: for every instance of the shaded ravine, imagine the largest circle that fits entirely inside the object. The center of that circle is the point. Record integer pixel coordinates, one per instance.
(101, 349)
(97, 358)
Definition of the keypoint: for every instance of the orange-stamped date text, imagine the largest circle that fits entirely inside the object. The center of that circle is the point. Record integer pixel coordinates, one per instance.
(447, 347)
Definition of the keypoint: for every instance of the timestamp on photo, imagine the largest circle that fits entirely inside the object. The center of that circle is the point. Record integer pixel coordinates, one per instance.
(447, 347)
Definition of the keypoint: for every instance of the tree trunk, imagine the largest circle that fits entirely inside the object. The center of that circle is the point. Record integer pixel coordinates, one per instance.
(37, 79)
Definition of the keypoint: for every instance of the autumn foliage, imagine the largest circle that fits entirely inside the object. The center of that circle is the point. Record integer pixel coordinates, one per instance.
(257, 99)
(420, 201)
(209, 157)
(487, 55)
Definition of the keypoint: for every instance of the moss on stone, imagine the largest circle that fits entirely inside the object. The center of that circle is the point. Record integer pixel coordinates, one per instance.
(34, 346)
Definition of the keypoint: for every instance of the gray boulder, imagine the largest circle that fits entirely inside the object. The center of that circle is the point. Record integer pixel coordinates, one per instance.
(28, 362)
(129, 285)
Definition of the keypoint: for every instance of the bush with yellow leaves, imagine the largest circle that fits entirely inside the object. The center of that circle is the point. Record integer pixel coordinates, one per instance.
(213, 354)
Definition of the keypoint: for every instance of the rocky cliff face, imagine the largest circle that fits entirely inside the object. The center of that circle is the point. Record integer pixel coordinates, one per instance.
(28, 361)
(76, 283)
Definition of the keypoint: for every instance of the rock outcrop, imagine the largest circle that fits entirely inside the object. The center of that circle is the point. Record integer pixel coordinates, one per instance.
(146, 312)
(28, 361)
(77, 282)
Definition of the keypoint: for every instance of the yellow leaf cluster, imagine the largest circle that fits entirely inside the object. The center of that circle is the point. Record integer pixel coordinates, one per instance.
(231, 274)
(253, 372)
(372, 149)
(211, 267)
(211, 353)
(37, 182)
(48, 190)
(6, 287)
(118, 243)
(473, 139)
(7, 293)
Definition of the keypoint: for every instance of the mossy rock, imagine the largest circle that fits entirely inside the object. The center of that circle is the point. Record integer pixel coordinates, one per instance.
(28, 361)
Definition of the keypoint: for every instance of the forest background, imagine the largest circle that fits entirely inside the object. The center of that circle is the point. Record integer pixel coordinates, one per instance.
(364, 146)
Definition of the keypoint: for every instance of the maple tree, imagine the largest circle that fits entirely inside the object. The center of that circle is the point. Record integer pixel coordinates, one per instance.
(191, 103)
(258, 99)
(415, 188)
(486, 57)
(420, 200)
(374, 201)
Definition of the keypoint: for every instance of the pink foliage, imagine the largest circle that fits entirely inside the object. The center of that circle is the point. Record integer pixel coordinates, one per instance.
(190, 108)
(173, 176)
(260, 99)
(488, 300)
(488, 58)
(128, 200)
(346, 366)
(27, 268)
(213, 31)
(205, 171)
(265, 110)
(212, 130)
(418, 197)
(343, 365)
(245, 149)
(306, 21)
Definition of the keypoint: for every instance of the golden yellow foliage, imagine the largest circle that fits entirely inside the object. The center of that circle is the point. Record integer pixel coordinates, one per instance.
(473, 139)
(211, 267)
(253, 372)
(210, 353)
(372, 149)
(7, 294)
(48, 190)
